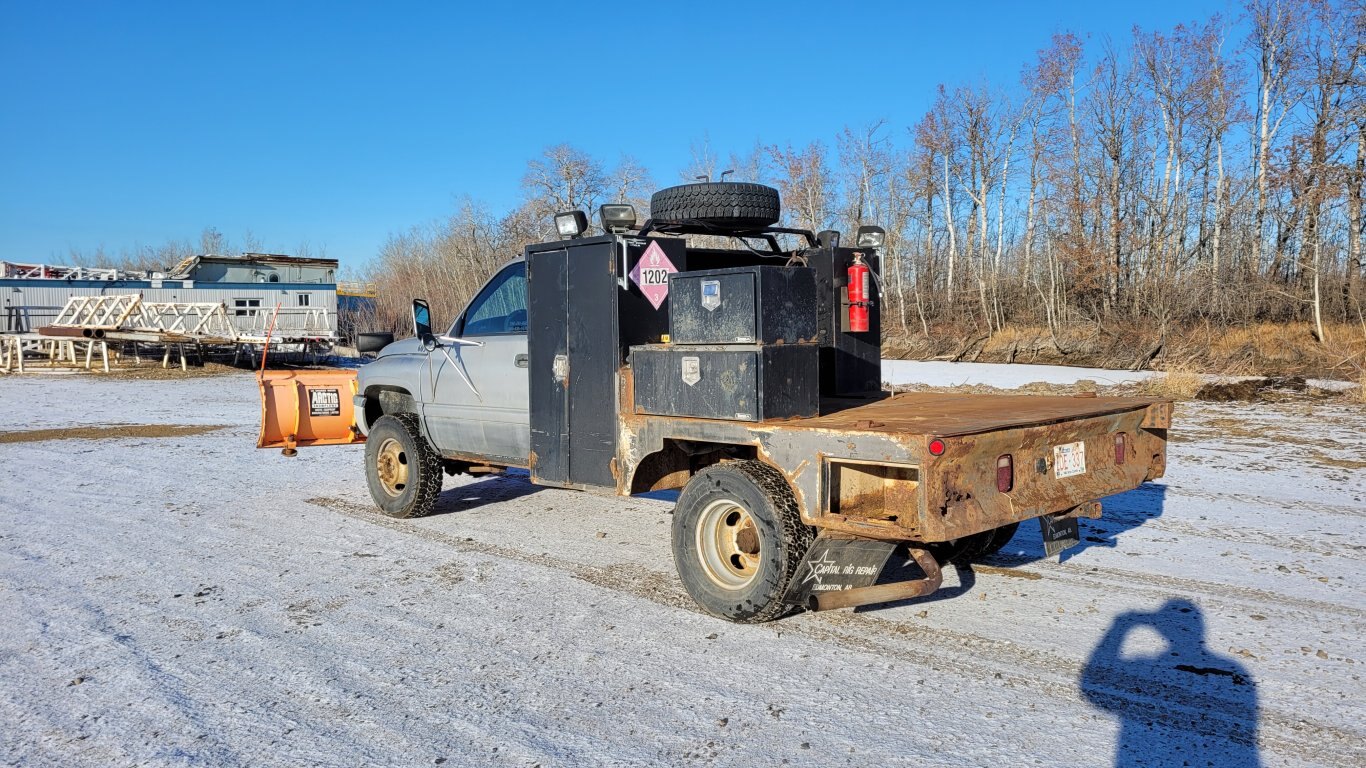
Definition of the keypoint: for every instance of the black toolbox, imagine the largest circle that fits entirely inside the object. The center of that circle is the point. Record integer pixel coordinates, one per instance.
(743, 305)
(732, 382)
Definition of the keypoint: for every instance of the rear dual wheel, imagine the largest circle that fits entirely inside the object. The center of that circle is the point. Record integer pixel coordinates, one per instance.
(970, 549)
(738, 539)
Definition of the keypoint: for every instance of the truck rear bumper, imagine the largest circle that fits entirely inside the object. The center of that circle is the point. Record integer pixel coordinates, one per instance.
(958, 493)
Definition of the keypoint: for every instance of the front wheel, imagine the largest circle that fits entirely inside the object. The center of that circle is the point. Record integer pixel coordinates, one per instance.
(738, 539)
(401, 468)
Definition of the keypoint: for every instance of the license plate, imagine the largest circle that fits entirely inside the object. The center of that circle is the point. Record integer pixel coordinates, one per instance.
(1069, 460)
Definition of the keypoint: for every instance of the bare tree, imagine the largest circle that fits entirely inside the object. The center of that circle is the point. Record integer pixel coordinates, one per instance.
(805, 184)
(1273, 42)
(703, 165)
(1333, 58)
(1168, 181)
(564, 178)
(1111, 112)
(631, 183)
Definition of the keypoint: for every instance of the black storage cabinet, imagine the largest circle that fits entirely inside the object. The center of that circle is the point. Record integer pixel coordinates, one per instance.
(743, 305)
(732, 382)
(584, 315)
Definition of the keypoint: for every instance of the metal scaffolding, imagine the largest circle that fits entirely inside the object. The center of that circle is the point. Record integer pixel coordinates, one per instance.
(96, 321)
(14, 271)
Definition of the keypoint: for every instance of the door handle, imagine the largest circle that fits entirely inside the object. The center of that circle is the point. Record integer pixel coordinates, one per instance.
(521, 361)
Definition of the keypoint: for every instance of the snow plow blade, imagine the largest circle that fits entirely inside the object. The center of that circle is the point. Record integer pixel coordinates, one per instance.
(302, 408)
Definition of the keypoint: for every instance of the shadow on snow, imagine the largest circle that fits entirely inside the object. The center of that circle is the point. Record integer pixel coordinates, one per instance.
(491, 490)
(1177, 701)
(1120, 513)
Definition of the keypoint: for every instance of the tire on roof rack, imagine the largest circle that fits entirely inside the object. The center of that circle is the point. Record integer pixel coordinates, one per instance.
(727, 204)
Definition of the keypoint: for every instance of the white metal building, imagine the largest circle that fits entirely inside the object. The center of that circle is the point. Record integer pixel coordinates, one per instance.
(249, 286)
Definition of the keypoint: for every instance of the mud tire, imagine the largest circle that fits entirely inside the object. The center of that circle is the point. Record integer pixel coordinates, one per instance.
(726, 204)
(971, 549)
(783, 539)
(423, 463)
(999, 538)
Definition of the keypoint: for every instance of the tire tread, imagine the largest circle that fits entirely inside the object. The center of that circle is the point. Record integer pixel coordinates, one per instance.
(428, 465)
(758, 605)
(731, 203)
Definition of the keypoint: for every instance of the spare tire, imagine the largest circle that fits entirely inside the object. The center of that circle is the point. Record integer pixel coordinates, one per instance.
(729, 204)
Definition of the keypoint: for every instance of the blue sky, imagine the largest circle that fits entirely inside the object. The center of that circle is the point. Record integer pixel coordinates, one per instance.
(335, 124)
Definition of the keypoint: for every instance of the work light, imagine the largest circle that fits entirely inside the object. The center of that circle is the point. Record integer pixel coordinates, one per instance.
(871, 236)
(571, 224)
(617, 217)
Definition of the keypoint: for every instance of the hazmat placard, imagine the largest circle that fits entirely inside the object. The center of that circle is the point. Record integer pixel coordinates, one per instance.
(651, 274)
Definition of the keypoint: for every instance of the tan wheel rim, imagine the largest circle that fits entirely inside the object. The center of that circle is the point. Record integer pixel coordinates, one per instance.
(391, 464)
(728, 544)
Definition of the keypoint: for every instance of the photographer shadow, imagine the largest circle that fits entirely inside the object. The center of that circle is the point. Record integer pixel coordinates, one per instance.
(1184, 705)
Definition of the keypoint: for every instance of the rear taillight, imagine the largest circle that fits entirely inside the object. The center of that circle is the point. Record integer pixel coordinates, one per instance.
(1119, 448)
(937, 447)
(1005, 473)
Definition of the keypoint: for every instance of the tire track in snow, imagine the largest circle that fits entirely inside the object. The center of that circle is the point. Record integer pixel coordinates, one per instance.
(1254, 536)
(656, 586)
(1300, 505)
(942, 649)
(1173, 707)
(1159, 586)
(1121, 515)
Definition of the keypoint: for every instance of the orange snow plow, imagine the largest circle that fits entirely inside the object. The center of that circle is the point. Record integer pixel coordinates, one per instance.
(303, 408)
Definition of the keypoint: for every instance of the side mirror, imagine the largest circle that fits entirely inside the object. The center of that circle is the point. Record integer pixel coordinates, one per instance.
(422, 324)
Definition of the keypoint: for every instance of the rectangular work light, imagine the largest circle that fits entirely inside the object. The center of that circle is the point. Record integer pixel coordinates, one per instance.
(571, 224)
(617, 217)
(871, 236)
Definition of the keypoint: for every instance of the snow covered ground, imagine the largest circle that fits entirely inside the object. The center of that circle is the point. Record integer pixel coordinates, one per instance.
(941, 373)
(188, 600)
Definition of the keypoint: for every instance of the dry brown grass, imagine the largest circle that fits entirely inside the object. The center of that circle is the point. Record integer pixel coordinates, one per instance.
(1361, 387)
(1180, 382)
(1268, 348)
(150, 368)
(109, 432)
(1257, 349)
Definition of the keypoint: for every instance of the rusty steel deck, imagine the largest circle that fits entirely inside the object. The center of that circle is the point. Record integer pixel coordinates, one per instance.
(866, 468)
(950, 415)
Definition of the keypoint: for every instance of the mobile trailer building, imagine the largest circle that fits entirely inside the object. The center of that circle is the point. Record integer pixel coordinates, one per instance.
(249, 287)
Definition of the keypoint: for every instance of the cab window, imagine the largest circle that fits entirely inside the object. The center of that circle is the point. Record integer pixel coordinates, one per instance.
(501, 307)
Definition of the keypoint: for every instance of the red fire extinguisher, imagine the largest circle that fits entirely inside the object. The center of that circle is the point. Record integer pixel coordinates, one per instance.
(860, 295)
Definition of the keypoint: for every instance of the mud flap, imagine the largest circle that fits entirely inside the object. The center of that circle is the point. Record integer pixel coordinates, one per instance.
(833, 565)
(1060, 532)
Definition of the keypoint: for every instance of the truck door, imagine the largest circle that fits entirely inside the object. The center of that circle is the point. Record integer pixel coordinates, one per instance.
(576, 352)
(479, 397)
